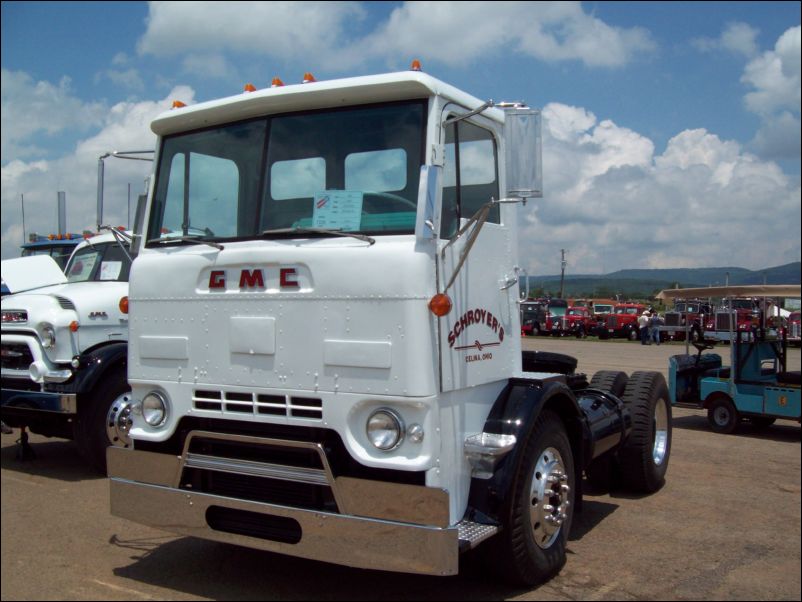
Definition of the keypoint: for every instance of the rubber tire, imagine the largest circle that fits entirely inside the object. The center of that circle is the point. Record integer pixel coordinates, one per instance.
(610, 381)
(513, 554)
(600, 471)
(547, 361)
(638, 470)
(90, 426)
(726, 409)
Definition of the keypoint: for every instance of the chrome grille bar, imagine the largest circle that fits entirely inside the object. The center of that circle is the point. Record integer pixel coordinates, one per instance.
(298, 474)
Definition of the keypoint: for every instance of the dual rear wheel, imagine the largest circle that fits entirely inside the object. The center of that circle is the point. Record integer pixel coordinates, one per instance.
(536, 522)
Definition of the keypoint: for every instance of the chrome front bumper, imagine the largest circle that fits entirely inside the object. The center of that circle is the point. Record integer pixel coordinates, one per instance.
(380, 525)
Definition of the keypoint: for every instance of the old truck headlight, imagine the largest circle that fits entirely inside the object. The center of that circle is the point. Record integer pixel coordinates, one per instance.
(154, 408)
(48, 336)
(385, 429)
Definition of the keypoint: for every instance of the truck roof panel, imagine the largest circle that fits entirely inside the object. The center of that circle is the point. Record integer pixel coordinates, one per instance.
(387, 87)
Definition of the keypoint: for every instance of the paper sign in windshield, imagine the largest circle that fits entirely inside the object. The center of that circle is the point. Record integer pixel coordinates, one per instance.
(337, 210)
(110, 270)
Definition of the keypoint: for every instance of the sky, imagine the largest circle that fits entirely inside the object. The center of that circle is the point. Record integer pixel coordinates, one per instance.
(671, 129)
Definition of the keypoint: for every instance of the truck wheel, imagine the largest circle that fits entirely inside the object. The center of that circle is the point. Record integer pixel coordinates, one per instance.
(610, 381)
(600, 471)
(643, 459)
(105, 422)
(547, 361)
(633, 334)
(722, 415)
(537, 520)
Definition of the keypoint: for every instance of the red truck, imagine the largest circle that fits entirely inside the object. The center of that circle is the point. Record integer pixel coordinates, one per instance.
(747, 312)
(579, 321)
(622, 323)
(688, 315)
(555, 316)
(533, 317)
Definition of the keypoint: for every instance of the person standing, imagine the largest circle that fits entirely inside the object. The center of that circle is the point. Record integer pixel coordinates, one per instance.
(654, 327)
(643, 327)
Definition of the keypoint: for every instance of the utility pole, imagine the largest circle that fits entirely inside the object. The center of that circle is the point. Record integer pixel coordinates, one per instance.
(22, 200)
(562, 271)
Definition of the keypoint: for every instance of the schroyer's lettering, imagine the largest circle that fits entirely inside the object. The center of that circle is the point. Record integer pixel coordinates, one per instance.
(288, 279)
(475, 316)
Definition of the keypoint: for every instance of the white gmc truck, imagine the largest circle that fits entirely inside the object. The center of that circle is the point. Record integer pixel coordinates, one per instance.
(64, 347)
(325, 354)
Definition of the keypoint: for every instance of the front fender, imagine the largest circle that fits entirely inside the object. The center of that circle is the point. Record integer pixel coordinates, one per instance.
(93, 366)
(515, 412)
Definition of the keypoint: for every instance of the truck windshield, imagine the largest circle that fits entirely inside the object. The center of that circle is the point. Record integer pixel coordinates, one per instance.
(355, 169)
(97, 263)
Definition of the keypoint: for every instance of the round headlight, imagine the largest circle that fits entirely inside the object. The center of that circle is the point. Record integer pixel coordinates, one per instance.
(385, 429)
(48, 336)
(154, 408)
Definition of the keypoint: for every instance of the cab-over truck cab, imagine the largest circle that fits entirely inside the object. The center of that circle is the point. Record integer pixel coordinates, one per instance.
(324, 350)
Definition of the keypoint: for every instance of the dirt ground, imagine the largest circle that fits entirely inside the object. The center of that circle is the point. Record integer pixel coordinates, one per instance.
(725, 526)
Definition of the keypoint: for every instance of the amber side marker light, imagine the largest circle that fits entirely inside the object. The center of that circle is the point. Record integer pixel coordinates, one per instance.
(124, 305)
(74, 326)
(440, 305)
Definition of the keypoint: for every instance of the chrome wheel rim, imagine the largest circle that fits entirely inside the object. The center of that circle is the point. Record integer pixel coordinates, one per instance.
(549, 503)
(119, 421)
(660, 447)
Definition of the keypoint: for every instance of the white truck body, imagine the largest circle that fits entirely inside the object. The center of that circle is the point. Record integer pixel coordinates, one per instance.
(58, 341)
(294, 239)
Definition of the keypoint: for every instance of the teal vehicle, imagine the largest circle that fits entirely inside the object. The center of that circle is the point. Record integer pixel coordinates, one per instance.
(758, 386)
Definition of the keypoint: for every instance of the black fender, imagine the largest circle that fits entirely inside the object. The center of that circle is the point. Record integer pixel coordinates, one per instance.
(514, 413)
(93, 366)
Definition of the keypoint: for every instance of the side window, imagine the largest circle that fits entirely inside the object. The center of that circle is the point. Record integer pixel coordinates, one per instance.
(470, 176)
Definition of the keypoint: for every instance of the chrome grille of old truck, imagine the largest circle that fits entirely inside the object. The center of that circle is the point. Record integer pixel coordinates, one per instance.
(294, 473)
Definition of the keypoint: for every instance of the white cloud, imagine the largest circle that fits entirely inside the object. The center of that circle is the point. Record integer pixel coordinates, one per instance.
(612, 202)
(775, 75)
(208, 65)
(738, 38)
(125, 126)
(779, 136)
(327, 33)
(278, 29)
(776, 79)
(31, 109)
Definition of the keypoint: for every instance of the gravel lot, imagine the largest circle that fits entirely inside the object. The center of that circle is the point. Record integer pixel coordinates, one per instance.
(725, 526)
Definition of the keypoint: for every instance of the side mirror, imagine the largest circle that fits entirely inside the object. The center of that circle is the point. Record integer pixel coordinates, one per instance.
(523, 156)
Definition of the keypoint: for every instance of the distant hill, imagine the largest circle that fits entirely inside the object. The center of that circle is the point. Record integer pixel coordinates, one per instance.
(638, 283)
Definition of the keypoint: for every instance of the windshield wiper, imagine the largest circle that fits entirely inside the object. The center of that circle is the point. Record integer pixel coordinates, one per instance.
(195, 239)
(356, 235)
